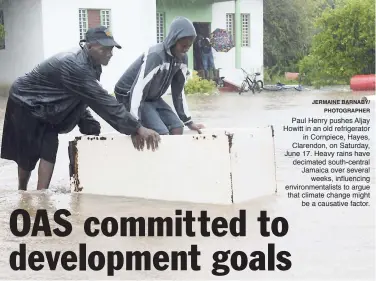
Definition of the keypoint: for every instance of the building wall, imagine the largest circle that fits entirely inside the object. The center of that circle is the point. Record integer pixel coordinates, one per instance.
(131, 30)
(23, 39)
(252, 56)
(198, 12)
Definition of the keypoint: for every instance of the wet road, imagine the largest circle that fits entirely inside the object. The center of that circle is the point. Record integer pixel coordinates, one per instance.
(325, 243)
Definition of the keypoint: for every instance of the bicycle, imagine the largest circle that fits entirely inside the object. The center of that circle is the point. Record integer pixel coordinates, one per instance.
(251, 82)
(280, 86)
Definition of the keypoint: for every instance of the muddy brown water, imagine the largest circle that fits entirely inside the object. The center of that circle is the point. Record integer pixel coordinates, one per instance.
(324, 243)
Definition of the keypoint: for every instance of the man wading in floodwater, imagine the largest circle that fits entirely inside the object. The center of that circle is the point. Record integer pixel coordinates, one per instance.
(53, 98)
(145, 82)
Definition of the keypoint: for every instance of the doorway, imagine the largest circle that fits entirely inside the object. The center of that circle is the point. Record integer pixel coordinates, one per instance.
(202, 30)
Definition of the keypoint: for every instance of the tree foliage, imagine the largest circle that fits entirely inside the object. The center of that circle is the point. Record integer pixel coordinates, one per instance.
(288, 31)
(2, 31)
(182, 3)
(344, 45)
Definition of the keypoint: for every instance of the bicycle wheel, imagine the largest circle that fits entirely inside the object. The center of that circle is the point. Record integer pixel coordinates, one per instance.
(252, 87)
(259, 86)
(242, 87)
(298, 88)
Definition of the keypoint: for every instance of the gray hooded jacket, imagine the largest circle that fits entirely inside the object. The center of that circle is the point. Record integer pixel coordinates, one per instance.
(149, 77)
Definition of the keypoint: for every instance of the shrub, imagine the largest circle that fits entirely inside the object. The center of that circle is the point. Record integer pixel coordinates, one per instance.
(345, 45)
(2, 31)
(197, 85)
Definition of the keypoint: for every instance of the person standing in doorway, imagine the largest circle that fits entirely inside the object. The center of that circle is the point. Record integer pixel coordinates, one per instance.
(207, 58)
(197, 52)
(144, 83)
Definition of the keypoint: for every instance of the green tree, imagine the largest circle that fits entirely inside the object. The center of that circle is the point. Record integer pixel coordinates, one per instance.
(288, 31)
(2, 29)
(344, 45)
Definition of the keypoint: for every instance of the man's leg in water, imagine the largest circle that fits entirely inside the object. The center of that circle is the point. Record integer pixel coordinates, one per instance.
(50, 145)
(23, 178)
(45, 172)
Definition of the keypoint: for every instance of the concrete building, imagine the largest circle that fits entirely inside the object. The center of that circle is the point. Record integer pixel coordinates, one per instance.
(242, 18)
(37, 29)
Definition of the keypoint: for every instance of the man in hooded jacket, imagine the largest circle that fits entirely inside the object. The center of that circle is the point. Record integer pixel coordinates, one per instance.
(144, 83)
(53, 98)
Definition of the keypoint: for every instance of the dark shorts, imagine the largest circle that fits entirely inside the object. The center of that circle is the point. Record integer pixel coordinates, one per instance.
(26, 139)
(158, 116)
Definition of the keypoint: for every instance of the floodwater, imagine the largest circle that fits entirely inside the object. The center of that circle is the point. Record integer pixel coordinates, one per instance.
(324, 243)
